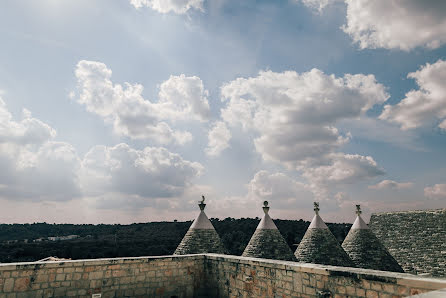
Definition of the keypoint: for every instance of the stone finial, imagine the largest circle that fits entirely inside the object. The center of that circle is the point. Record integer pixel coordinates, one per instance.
(316, 208)
(202, 204)
(358, 210)
(265, 207)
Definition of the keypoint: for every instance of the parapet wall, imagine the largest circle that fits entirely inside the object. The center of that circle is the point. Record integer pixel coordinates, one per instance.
(169, 276)
(230, 276)
(416, 239)
(205, 275)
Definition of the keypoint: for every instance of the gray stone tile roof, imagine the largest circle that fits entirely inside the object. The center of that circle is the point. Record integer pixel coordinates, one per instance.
(201, 237)
(320, 246)
(416, 239)
(267, 242)
(365, 250)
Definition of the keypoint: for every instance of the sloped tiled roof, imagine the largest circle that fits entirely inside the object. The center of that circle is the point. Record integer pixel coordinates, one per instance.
(365, 250)
(267, 242)
(201, 237)
(320, 246)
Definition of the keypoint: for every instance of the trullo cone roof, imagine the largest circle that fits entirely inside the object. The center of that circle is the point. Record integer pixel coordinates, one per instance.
(320, 246)
(201, 237)
(366, 251)
(267, 242)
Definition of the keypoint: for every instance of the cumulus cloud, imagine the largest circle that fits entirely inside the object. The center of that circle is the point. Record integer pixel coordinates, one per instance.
(38, 168)
(149, 173)
(293, 118)
(278, 188)
(167, 6)
(218, 139)
(27, 131)
(294, 115)
(181, 98)
(390, 184)
(396, 24)
(423, 106)
(341, 169)
(438, 191)
(33, 165)
(392, 24)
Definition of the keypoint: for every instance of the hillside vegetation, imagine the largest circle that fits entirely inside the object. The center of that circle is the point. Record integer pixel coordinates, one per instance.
(143, 239)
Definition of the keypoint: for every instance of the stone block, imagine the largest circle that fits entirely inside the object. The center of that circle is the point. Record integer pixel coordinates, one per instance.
(8, 285)
(96, 275)
(21, 284)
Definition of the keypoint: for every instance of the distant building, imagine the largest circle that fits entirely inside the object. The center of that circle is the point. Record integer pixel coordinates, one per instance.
(62, 238)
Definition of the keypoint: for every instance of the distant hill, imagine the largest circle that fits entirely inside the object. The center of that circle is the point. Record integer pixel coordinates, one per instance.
(144, 239)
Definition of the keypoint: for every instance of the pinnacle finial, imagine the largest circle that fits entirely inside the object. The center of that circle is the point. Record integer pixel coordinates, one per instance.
(316, 208)
(358, 210)
(202, 204)
(265, 207)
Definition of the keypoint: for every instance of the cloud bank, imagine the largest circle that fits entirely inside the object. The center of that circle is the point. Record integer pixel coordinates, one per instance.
(181, 98)
(293, 117)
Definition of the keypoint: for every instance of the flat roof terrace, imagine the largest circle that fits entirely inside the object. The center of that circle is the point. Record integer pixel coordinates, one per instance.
(204, 275)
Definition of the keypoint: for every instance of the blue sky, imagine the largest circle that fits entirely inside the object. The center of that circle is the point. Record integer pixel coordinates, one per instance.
(127, 111)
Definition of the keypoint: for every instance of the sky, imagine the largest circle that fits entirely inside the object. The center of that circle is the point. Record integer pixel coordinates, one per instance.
(129, 110)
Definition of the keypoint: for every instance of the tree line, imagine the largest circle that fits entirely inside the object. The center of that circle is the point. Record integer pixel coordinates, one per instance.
(139, 239)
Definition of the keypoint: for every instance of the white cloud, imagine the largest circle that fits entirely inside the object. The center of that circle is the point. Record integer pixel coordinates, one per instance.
(33, 165)
(294, 115)
(319, 5)
(184, 97)
(27, 131)
(278, 188)
(37, 168)
(149, 173)
(341, 169)
(166, 6)
(442, 125)
(423, 106)
(396, 24)
(390, 184)
(438, 191)
(218, 139)
(392, 24)
(181, 98)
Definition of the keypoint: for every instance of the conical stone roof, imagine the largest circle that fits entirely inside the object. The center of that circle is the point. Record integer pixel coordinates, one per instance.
(320, 246)
(365, 250)
(201, 237)
(267, 242)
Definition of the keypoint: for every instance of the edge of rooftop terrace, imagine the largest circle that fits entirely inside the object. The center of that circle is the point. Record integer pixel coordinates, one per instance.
(213, 268)
(375, 275)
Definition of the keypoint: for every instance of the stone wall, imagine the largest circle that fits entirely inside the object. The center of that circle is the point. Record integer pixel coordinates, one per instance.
(416, 239)
(229, 276)
(208, 275)
(121, 277)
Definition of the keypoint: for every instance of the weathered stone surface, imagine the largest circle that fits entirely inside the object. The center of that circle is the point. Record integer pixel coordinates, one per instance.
(201, 236)
(416, 239)
(207, 275)
(320, 246)
(366, 251)
(268, 244)
(200, 241)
